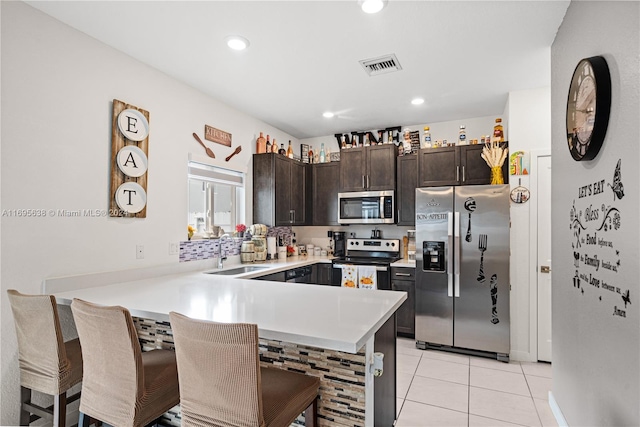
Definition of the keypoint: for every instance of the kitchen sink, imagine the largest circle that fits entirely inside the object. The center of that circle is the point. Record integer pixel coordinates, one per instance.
(238, 270)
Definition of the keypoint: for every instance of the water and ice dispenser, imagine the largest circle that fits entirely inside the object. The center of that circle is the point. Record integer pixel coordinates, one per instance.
(433, 256)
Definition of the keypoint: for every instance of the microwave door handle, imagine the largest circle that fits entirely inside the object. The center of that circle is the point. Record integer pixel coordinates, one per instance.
(449, 254)
(456, 227)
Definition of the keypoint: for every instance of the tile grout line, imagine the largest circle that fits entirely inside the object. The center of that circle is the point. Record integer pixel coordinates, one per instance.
(533, 400)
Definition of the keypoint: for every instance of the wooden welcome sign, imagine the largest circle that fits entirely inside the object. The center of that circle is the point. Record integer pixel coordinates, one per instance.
(129, 161)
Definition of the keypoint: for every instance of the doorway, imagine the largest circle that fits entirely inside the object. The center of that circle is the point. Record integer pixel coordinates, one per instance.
(543, 256)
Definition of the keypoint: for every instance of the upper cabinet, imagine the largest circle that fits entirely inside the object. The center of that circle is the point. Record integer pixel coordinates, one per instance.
(281, 191)
(368, 168)
(460, 165)
(406, 193)
(325, 188)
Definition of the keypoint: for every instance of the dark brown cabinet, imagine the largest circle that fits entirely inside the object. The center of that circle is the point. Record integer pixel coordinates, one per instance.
(368, 168)
(281, 188)
(324, 274)
(325, 187)
(407, 182)
(461, 165)
(403, 279)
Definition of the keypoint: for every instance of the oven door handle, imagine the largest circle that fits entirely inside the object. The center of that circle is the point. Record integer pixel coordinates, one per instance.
(377, 267)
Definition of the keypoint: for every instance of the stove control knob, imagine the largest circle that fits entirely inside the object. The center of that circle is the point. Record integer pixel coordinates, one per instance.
(393, 244)
(357, 243)
(387, 243)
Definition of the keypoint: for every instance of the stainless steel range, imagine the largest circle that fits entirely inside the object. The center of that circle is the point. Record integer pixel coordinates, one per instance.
(374, 253)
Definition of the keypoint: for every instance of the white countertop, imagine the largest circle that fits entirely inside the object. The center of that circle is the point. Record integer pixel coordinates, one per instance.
(330, 317)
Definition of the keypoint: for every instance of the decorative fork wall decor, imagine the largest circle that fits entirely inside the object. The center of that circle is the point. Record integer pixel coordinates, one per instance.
(482, 246)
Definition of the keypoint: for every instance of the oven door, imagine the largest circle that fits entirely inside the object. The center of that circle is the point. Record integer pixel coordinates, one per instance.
(367, 207)
(383, 278)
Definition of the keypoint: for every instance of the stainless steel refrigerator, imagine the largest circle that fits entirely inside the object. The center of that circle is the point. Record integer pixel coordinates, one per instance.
(462, 268)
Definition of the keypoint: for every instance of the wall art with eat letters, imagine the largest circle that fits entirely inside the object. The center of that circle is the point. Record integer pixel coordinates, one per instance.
(129, 161)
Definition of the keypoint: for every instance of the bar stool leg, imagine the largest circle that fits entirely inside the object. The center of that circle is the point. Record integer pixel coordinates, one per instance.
(311, 414)
(25, 397)
(60, 410)
(84, 420)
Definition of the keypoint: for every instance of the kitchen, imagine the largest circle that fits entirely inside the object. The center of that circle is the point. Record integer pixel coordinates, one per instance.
(38, 138)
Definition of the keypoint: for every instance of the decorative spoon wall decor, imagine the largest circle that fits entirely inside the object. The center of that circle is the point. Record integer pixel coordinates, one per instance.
(206, 149)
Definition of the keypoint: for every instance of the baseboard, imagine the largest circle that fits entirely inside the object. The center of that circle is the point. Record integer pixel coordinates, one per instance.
(522, 356)
(557, 413)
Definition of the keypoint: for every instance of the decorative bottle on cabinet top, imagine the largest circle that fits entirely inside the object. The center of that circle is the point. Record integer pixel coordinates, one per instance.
(322, 154)
(268, 145)
(261, 144)
(462, 136)
(498, 131)
(290, 151)
(427, 138)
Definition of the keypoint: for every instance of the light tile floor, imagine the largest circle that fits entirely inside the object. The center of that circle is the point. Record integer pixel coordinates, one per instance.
(436, 388)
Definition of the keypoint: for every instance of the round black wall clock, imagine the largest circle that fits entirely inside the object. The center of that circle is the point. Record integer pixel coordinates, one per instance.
(588, 106)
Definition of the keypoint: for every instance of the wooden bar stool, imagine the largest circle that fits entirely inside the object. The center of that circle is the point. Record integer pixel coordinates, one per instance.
(47, 363)
(223, 385)
(122, 385)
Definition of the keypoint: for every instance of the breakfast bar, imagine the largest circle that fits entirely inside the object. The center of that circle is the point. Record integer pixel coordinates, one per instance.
(328, 332)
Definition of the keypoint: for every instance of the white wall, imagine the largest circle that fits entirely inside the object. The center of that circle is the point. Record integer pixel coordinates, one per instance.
(57, 90)
(596, 354)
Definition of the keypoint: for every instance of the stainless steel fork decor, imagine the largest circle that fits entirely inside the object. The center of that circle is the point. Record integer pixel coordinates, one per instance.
(482, 245)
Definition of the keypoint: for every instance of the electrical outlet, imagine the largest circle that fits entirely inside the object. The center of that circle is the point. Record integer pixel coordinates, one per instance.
(174, 248)
(139, 251)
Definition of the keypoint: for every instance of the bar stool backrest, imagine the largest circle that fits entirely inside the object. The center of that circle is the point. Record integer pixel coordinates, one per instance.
(41, 351)
(218, 372)
(113, 375)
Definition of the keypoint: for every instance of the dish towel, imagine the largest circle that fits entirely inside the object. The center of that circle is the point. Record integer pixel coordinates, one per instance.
(349, 276)
(367, 277)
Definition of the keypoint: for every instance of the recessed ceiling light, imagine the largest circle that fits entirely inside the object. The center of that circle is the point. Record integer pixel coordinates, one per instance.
(237, 42)
(417, 101)
(327, 114)
(372, 6)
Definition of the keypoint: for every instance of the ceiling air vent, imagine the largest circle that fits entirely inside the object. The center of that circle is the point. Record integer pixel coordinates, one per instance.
(382, 65)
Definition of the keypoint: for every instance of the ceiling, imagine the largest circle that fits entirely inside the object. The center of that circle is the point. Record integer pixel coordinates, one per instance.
(462, 57)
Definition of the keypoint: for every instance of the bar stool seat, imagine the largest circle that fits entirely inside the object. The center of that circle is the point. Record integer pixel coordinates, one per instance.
(47, 363)
(223, 385)
(122, 385)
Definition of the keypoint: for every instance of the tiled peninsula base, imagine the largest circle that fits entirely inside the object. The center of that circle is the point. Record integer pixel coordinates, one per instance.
(342, 375)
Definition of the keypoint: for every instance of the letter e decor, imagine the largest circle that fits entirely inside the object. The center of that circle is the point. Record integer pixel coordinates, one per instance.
(129, 151)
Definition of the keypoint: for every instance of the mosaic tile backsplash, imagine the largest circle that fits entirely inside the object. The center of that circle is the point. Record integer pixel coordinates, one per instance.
(342, 375)
(194, 250)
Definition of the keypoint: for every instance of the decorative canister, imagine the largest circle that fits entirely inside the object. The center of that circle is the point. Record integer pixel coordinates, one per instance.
(247, 252)
(259, 248)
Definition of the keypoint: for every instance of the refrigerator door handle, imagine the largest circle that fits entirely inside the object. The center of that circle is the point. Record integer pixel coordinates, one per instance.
(456, 228)
(449, 254)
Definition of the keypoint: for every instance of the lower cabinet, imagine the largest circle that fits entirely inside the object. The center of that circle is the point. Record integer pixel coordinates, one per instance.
(404, 279)
(324, 274)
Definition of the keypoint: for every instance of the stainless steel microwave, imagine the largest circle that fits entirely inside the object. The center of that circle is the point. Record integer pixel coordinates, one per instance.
(366, 207)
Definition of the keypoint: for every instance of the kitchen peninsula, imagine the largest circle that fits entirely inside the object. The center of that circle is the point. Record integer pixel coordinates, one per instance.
(325, 331)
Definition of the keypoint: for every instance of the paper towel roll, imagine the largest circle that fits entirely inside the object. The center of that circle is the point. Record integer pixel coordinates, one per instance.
(271, 246)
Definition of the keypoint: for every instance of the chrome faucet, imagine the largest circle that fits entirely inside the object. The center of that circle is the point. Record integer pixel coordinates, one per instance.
(221, 258)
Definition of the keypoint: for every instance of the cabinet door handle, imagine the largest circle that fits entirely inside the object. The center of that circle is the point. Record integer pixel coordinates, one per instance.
(463, 178)
(368, 182)
(403, 274)
(457, 173)
(363, 186)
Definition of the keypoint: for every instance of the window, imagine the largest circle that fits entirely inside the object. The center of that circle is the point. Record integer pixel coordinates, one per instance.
(216, 198)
